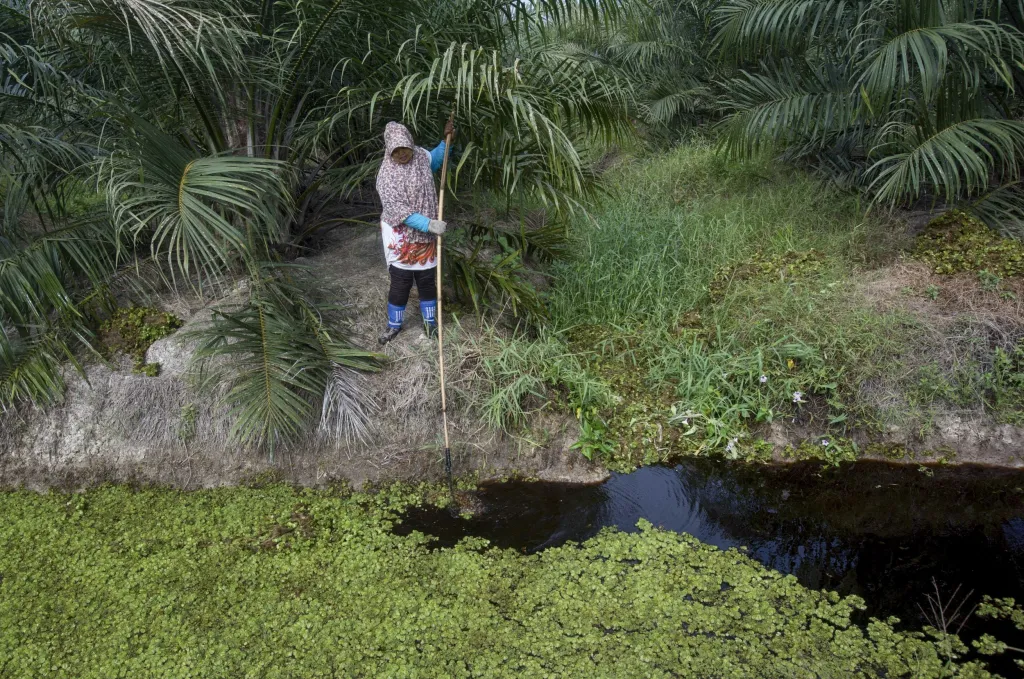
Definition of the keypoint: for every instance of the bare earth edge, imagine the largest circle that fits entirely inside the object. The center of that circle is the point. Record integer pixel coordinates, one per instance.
(121, 427)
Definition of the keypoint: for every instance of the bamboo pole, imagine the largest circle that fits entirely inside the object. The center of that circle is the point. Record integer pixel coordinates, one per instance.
(440, 322)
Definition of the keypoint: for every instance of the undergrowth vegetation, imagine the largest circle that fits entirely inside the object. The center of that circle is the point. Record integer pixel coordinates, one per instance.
(520, 377)
(277, 582)
(719, 305)
(956, 242)
(132, 330)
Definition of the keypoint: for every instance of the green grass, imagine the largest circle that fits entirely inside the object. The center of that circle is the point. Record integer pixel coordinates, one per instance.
(672, 221)
(716, 294)
(706, 301)
(275, 582)
(507, 379)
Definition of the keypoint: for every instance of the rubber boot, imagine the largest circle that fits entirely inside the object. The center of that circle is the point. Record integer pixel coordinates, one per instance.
(396, 315)
(429, 312)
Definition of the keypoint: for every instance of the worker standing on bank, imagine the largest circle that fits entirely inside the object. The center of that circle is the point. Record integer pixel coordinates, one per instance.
(409, 224)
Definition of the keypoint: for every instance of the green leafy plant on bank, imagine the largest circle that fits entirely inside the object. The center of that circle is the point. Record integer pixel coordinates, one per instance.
(1004, 383)
(132, 330)
(313, 584)
(594, 439)
(956, 242)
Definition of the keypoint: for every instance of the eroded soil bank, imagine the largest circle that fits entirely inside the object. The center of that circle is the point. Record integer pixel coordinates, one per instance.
(118, 425)
(121, 426)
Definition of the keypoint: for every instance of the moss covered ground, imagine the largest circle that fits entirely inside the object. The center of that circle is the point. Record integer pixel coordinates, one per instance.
(278, 582)
(131, 331)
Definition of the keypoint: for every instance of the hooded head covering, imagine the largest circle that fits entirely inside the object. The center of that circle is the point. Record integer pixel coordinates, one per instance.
(405, 189)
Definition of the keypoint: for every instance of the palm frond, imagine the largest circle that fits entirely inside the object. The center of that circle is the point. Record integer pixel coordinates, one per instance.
(1001, 208)
(273, 361)
(784, 107)
(924, 56)
(495, 282)
(31, 368)
(954, 162)
(198, 212)
(37, 277)
(668, 103)
(515, 116)
(347, 408)
(182, 37)
(749, 29)
(900, 98)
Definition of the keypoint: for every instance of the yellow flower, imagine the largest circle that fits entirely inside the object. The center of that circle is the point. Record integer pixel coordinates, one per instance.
(790, 363)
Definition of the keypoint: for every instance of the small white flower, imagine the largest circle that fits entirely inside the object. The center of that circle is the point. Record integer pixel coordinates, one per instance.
(763, 379)
(686, 420)
(824, 442)
(731, 445)
(798, 397)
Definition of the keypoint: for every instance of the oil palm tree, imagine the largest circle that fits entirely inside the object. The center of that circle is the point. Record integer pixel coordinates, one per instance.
(903, 99)
(206, 136)
(663, 48)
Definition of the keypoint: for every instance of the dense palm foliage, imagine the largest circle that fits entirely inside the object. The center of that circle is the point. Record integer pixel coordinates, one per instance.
(904, 99)
(190, 139)
(664, 49)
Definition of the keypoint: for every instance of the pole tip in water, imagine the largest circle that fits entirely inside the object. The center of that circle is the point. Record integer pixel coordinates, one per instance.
(466, 503)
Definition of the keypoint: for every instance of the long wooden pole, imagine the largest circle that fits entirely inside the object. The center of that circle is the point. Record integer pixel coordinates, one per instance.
(440, 321)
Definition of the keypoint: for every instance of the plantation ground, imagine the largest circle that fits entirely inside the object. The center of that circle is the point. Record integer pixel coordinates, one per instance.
(275, 582)
(699, 298)
(119, 425)
(705, 307)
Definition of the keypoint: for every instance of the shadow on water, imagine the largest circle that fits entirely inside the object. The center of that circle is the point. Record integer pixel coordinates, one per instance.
(880, 531)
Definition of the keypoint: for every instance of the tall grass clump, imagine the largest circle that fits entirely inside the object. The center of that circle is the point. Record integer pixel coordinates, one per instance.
(669, 223)
(507, 378)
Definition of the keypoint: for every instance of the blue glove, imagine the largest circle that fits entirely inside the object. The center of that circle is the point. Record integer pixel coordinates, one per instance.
(418, 222)
(425, 225)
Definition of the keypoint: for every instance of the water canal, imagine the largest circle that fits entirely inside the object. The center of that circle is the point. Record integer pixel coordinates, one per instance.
(890, 534)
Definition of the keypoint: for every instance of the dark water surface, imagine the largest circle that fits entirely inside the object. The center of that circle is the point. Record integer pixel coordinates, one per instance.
(880, 531)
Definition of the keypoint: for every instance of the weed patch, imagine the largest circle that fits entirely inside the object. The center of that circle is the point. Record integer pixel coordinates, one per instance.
(957, 242)
(785, 267)
(712, 298)
(716, 303)
(132, 330)
(508, 378)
